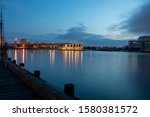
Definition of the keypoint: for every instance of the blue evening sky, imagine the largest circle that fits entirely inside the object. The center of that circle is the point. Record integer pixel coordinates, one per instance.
(39, 17)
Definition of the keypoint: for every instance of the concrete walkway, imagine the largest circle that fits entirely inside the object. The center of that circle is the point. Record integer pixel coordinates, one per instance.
(12, 88)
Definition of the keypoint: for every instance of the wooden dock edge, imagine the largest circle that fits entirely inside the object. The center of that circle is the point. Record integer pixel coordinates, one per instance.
(41, 87)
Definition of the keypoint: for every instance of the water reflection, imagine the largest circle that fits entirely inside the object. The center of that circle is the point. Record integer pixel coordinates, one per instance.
(139, 73)
(72, 58)
(52, 56)
(91, 56)
(103, 75)
(31, 57)
(139, 65)
(69, 58)
(15, 55)
(22, 55)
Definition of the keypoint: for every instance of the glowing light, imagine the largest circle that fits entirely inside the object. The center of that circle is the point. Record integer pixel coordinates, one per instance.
(23, 55)
(52, 56)
(72, 58)
(15, 54)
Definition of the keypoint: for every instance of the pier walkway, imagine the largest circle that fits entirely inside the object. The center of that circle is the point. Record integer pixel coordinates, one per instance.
(12, 88)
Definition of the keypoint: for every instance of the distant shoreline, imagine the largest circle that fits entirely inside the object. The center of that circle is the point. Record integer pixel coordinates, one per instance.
(84, 49)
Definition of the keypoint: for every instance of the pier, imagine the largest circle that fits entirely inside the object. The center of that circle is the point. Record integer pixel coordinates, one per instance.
(18, 83)
(13, 88)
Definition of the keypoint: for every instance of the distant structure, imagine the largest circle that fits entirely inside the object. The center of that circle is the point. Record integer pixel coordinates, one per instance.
(60, 46)
(142, 44)
(70, 46)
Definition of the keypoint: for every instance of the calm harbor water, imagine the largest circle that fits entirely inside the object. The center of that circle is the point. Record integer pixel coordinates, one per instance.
(96, 74)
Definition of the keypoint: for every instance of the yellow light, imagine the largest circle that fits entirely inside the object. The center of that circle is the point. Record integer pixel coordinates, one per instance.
(15, 54)
(23, 55)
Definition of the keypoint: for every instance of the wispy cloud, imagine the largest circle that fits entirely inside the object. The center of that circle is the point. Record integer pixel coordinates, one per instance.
(76, 34)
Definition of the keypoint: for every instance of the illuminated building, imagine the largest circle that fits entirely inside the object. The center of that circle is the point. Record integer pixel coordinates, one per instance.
(62, 46)
(142, 44)
(70, 46)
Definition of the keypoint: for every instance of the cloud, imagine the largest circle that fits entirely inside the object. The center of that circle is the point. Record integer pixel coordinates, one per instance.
(78, 33)
(80, 28)
(139, 21)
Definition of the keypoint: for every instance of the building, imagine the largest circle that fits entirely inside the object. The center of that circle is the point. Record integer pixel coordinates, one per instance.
(70, 46)
(142, 44)
(135, 45)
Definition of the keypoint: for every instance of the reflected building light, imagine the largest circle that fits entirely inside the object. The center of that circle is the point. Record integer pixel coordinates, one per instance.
(31, 58)
(52, 56)
(81, 57)
(69, 57)
(72, 62)
(76, 57)
(91, 56)
(41, 57)
(23, 55)
(65, 56)
(134, 62)
(15, 55)
(73, 58)
(26, 55)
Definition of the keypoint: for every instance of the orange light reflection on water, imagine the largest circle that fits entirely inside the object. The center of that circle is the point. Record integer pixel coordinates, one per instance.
(52, 56)
(72, 58)
(15, 55)
(23, 55)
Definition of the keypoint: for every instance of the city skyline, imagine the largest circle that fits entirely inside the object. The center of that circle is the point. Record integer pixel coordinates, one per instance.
(57, 20)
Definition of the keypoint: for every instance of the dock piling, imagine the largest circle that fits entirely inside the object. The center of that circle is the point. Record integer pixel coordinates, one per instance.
(9, 59)
(21, 65)
(37, 73)
(69, 89)
(14, 61)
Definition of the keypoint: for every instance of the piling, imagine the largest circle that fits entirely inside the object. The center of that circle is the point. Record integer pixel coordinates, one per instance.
(14, 61)
(37, 73)
(40, 86)
(9, 59)
(21, 65)
(69, 89)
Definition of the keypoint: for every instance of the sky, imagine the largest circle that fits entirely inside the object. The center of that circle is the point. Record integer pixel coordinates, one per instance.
(56, 20)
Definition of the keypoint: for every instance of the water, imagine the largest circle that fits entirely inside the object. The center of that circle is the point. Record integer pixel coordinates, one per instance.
(96, 74)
